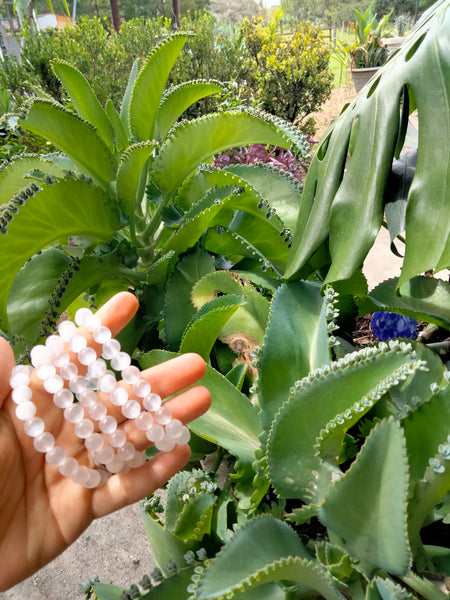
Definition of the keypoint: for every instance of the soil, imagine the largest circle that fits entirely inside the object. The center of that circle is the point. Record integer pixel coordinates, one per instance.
(332, 108)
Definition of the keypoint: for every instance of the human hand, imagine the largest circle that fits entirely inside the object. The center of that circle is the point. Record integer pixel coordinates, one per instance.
(43, 512)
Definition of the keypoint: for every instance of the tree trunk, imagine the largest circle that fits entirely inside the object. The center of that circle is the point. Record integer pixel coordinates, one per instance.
(176, 14)
(115, 14)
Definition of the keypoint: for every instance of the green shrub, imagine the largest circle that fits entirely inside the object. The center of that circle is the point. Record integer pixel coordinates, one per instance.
(289, 76)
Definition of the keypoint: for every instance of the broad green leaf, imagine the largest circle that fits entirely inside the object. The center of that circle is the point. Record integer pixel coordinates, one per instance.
(424, 298)
(197, 141)
(37, 279)
(125, 106)
(207, 324)
(194, 520)
(343, 195)
(213, 283)
(367, 507)
(178, 307)
(129, 175)
(165, 546)
(178, 99)
(18, 174)
(386, 589)
(338, 390)
(67, 208)
(120, 132)
(273, 552)
(149, 86)
(246, 328)
(107, 591)
(174, 586)
(281, 190)
(296, 342)
(70, 134)
(231, 422)
(84, 99)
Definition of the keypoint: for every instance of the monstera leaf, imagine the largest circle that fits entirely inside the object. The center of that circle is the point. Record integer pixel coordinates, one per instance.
(344, 193)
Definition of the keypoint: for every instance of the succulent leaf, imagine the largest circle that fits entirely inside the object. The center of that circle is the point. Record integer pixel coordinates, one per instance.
(320, 396)
(73, 136)
(129, 176)
(18, 174)
(373, 528)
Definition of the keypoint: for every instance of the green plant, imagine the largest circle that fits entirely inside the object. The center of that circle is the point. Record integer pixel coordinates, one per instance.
(289, 77)
(368, 49)
(401, 23)
(129, 197)
(337, 483)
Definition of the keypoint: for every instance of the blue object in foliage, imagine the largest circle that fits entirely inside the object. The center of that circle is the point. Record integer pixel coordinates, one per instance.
(387, 326)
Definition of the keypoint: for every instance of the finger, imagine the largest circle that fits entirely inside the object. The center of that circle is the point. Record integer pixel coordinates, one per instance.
(176, 374)
(122, 490)
(186, 407)
(6, 366)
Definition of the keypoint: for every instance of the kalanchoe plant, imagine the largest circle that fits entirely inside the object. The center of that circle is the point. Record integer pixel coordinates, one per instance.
(127, 196)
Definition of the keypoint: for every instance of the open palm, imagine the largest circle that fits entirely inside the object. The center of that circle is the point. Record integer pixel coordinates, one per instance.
(43, 512)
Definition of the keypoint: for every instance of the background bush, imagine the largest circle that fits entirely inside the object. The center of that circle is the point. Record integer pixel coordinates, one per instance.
(287, 77)
(289, 74)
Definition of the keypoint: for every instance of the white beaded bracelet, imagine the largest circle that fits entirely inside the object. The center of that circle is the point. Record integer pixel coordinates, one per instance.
(75, 394)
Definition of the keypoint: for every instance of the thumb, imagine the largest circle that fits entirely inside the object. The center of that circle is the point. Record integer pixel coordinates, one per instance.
(6, 366)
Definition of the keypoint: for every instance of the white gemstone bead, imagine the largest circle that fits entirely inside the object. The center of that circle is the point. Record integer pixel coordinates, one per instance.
(117, 438)
(92, 323)
(69, 466)
(141, 388)
(87, 398)
(155, 433)
(25, 410)
(102, 334)
(119, 396)
(22, 394)
(66, 330)
(110, 349)
(130, 374)
(138, 460)
(61, 359)
(81, 475)
(97, 369)
(108, 424)
(163, 415)
(55, 456)
(152, 402)
(84, 428)
(82, 315)
(131, 409)
(53, 384)
(144, 421)
(107, 383)
(87, 356)
(19, 379)
(54, 343)
(44, 442)
(127, 451)
(120, 361)
(34, 426)
(115, 465)
(165, 445)
(94, 442)
(68, 371)
(27, 369)
(40, 355)
(104, 455)
(77, 343)
(63, 398)
(93, 480)
(97, 411)
(74, 413)
(45, 371)
(184, 437)
(174, 428)
(78, 384)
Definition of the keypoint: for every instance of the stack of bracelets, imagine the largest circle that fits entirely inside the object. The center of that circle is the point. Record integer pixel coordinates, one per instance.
(76, 395)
